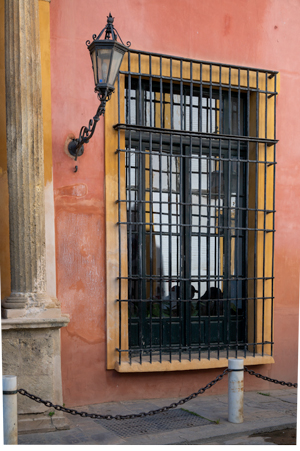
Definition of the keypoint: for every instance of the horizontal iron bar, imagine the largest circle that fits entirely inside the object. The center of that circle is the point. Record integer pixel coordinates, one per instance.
(190, 204)
(217, 346)
(205, 84)
(167, 301)
(171, 131)
(174, 278)
(209, 63)
(178, 224)
(194, 157)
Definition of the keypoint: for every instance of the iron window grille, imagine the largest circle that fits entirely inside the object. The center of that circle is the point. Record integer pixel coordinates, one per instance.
(198, 142)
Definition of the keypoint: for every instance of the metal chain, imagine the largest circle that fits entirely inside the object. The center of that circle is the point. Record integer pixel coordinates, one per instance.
(265, 378)
(124, 417)
(151, 412)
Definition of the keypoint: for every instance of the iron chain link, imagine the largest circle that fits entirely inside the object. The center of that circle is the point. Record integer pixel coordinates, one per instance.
(269, 379)
(124, 417)
(151, 412)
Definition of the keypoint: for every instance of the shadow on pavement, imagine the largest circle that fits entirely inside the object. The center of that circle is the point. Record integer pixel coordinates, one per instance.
(283, 437)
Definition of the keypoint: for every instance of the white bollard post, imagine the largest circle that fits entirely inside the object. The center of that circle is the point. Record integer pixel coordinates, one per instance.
(10, 411)
(236, 391)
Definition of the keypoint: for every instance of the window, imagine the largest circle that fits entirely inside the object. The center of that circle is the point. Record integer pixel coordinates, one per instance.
(193, 214)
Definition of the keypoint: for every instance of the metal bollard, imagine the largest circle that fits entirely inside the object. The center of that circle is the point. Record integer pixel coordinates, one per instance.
(236, 391)
(10, 411)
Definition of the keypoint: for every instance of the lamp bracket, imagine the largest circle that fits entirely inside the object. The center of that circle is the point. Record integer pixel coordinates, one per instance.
(76, 146)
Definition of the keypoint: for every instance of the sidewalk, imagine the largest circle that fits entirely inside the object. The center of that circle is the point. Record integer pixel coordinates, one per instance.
(204, 421)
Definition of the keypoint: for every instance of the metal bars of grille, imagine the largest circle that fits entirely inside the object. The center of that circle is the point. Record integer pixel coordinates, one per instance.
(199, 185)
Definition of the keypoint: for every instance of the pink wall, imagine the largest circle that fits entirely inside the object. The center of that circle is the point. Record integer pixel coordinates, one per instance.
(257, 33)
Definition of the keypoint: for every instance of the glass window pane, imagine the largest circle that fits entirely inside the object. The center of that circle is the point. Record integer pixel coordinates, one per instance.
(94, 63)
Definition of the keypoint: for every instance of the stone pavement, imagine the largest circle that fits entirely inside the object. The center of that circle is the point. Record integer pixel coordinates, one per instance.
(263, 411)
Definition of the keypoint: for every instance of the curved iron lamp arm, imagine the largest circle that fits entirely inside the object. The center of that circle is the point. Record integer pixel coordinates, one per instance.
(76, 147)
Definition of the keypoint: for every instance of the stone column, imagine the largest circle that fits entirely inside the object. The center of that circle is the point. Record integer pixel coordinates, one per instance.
(25, 161)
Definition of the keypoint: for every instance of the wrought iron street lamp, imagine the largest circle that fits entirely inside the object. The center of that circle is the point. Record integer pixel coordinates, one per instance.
(106, 55)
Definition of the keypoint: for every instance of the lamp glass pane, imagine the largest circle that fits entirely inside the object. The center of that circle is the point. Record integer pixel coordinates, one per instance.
(115, 65)
(94, 63)
(103, 58)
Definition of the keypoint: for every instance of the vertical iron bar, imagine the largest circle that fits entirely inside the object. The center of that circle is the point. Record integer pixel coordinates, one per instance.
(150, 92)
(181, 304)
(200, 101)
(264, 250)
(189, 206)
(129, 90)
(151, 239)
(120, 333)
(265, 203)
(238, 232)
(171, 96)
(140, 93)
(219, 243)
(228, 244)
(161, 95)
(247, 188)
(215, 237)
(189, 240)
(257, 108)
(208, 246)
(255, 246)
(239, 103)
(266, 108)
(220, 101)
(119, 239)
(130, 306)
(191, 97)
(160, 241)
(182, 107)
(199, 246)
(229, 104)
(170, 242)
(140, 242)
(210, 98)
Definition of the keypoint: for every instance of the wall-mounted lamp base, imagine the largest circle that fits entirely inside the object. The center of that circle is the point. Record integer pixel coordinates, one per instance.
(73, 150)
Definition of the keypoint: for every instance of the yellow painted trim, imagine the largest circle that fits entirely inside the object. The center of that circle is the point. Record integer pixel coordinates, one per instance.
(3, 156)
(263, 261)
(112, 234)
(187, 365)
(44, 19)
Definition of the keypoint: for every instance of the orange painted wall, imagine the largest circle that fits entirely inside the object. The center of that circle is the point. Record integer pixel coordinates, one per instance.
(257, 33)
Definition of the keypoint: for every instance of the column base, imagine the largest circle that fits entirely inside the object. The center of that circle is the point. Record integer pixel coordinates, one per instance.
(16, 301)
(31, 351)
(12, 313)
(37, 305)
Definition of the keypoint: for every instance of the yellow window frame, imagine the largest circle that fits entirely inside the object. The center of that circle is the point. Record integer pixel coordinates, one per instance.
(114, 160)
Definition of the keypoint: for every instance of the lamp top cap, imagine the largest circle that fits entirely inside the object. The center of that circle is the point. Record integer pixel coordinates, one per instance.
(110, 33)
(110, 19)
